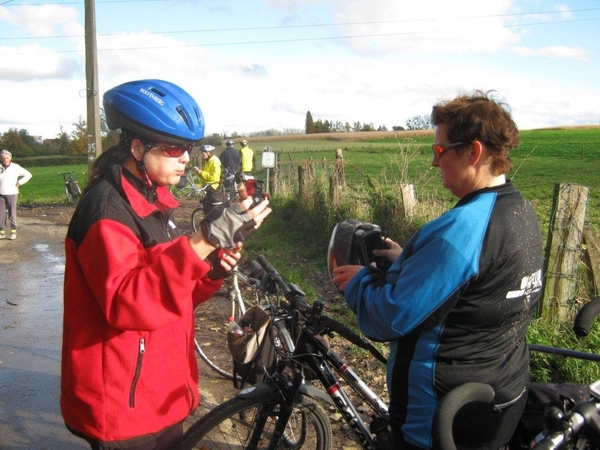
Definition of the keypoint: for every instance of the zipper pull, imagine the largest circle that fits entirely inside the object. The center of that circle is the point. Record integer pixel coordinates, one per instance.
(142, 346)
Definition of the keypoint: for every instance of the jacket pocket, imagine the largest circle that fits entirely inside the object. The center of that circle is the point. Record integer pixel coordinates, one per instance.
(138, 371)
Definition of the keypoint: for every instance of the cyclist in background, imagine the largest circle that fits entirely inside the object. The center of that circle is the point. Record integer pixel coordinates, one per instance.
(12, 176)
(129, 376)
(457, 300)
(230, 158)
(210, 173)
(247, 157)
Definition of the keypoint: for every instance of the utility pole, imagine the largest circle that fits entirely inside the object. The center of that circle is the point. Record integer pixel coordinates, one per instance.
(94, 146)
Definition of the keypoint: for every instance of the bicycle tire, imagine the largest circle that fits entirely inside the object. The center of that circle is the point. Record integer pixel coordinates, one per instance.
(230, 425)
(75, 192)
(211, 331)
(68, 195)
(186, 190)
(197, 216)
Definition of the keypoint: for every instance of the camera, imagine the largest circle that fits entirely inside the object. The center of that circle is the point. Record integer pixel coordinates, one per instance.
(352, 242)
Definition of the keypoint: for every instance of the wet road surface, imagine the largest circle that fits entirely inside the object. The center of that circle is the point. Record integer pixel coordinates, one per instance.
(31, 281)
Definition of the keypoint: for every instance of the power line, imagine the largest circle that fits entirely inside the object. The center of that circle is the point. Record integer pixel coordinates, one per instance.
(283, 27)
(277, 41)
(287, 40)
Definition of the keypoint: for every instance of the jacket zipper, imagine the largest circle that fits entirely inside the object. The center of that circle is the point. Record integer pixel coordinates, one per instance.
(138, 370)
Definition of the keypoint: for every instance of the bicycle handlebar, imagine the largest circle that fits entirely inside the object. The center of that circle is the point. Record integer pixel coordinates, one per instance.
(585, 317)
(314, 313)
(584, 417)
(450, 404)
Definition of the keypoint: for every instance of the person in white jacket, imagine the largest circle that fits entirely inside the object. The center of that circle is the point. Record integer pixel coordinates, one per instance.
(12, 176)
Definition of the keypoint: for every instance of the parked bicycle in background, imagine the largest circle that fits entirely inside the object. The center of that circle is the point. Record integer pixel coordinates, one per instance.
(72, 189)
(233, 187)
(187, 186)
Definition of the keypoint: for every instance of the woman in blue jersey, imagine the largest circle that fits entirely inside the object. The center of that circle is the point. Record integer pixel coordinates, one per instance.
(456, 302)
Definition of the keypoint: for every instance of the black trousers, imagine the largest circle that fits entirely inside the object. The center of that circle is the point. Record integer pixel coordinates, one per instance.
(170, 438)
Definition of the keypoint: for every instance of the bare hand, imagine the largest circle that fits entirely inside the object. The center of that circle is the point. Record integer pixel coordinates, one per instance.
(230, 260)
(259, 212)
(343, 274)
(391, 253)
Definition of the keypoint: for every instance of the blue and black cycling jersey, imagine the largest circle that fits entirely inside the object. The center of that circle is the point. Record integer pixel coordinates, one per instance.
(455, 305)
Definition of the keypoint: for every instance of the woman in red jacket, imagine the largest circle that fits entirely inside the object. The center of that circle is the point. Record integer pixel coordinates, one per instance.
(129, 374)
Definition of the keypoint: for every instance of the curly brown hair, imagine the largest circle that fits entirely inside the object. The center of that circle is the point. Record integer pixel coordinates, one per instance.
(480, 117)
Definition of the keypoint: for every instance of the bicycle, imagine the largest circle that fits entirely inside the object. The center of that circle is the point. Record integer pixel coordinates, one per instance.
(229, 191)
(187, 188)
(286, 410)
(72, 189)
(212, 316)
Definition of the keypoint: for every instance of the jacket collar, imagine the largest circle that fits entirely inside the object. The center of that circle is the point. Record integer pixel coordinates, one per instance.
(140, 199)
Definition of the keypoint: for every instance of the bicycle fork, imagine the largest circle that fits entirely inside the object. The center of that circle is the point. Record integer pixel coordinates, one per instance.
(338, 395)
(282, 410)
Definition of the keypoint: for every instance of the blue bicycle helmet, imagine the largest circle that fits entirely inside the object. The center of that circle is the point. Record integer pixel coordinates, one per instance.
(155, 110)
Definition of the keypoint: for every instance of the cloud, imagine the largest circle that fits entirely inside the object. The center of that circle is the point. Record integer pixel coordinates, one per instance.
(253, 70)
(41, 20)
(411, 56)
(127, 56)
(34, 62)
(565, 10)
(398, 27)
(555, 52)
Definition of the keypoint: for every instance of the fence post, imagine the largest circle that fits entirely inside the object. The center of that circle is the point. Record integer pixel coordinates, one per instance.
(563, 250)
(300, 180)
(592, 244)
(333, 190)
(409, 201)
(339, 167)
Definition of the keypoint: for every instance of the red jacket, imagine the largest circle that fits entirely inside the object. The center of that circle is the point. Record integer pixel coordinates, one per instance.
(131, 285)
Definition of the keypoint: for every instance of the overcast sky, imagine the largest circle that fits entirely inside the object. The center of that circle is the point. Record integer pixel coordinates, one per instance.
(254, 65)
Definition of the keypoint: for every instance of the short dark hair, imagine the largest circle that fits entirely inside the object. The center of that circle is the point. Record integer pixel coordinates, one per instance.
(480, 117)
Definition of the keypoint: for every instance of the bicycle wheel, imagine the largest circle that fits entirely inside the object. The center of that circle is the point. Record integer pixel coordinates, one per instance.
(184, 189)
(75, 191)
(197, 216)
(211, 331)
(234, 423)
(68, 195)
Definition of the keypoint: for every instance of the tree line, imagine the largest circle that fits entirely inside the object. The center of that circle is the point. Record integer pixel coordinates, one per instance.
(22, 144)
(326, 126)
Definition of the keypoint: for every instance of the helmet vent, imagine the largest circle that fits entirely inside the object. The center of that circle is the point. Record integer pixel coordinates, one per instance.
(198, 116)
(183, 116)
(156, 91)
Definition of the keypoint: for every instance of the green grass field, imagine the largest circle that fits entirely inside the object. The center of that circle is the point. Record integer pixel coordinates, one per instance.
(544, 158)
(46, 186)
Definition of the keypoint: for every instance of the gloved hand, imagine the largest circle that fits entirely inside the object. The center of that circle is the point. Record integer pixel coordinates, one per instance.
(225, 226)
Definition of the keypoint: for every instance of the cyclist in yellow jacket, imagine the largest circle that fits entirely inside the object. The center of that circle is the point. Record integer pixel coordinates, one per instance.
(247, 157)
(210, 173)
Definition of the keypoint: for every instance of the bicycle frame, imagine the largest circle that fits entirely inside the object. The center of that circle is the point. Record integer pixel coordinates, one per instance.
(308, 326)
(313, 351)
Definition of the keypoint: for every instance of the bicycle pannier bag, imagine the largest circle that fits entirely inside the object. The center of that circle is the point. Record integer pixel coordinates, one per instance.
(251, 348)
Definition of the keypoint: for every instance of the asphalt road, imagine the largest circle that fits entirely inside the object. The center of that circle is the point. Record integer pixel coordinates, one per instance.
(31, 281)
